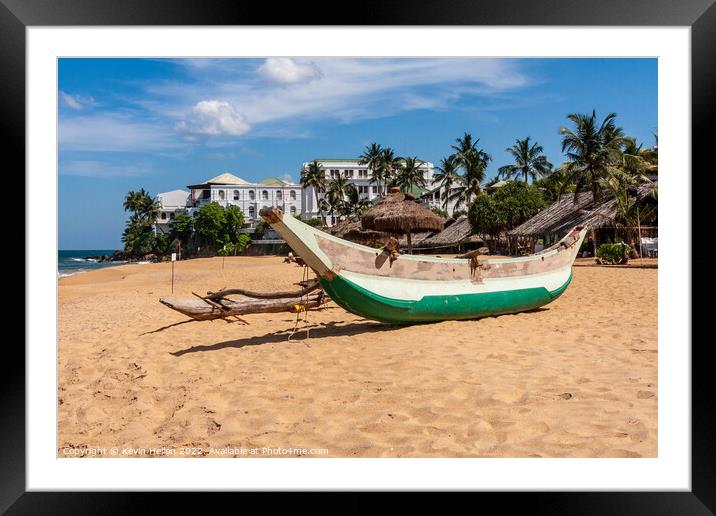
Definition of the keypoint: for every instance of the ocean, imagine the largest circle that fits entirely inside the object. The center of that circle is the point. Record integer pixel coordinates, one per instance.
(71, 262)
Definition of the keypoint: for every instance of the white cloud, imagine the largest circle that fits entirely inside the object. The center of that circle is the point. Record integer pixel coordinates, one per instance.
(279, 97)
(93, 168)
(349, 89)
(284, 70)
(113, 132)
(214, 118)
(75, 102)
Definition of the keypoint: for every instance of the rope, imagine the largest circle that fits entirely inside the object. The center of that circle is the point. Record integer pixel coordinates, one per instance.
(301, 307)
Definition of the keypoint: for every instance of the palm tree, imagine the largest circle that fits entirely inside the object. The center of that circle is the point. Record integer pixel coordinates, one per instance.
(473, 161)
(529, 161)
(373, 157)
(149, 207)
(389, 165)
(465, 145)
(141, 204)
(354, 204)
(631, 209)
(592, 148)
(313, 175)
(447, 176)
(553, 185)
(336, 192)
(410, 175)
(637, 161)
(133, 200)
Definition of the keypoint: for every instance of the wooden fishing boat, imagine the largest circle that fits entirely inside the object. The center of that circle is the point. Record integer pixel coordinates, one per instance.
(382, 285)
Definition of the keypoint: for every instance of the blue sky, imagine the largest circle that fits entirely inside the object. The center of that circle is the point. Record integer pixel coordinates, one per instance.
(162, 124)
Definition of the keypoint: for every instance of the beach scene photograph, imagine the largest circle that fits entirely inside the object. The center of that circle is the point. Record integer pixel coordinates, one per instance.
(346, 257)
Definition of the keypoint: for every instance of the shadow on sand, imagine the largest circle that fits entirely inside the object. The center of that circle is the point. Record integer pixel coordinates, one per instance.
(322, 331)
(316, 331)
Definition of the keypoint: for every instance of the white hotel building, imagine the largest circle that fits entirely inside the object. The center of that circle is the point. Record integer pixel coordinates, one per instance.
(357, 174)
(227, 189)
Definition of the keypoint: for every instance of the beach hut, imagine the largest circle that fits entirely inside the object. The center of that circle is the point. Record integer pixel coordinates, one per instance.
(456, 237)
(352, 230)
(555, 221)
(400, 214)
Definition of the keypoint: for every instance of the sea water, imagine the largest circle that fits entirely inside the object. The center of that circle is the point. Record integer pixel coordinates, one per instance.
(71, 262)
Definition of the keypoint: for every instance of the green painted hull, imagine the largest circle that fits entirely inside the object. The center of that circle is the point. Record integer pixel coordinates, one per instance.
(360, 301)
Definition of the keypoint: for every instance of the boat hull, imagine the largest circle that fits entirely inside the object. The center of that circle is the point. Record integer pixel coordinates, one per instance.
(415, 289)
(360, 301)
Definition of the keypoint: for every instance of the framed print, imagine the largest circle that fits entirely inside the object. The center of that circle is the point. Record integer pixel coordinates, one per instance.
(408, 254)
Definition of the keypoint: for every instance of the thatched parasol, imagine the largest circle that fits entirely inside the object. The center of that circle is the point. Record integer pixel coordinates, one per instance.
(382, 207)
(403, 216)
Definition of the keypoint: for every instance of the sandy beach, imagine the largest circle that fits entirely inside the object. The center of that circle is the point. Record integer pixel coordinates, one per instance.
(577, 378)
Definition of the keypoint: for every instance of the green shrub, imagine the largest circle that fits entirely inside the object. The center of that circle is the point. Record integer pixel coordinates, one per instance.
(506, 209)
(315, 222)
(613, 254)
(439, 212)
(232, 249)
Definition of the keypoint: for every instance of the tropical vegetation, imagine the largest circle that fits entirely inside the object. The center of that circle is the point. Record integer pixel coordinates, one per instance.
(138, 236)
(314, 176)
(508, 207)
(530, 162)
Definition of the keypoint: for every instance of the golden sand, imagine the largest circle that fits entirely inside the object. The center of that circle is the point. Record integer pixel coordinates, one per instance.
(577, 378)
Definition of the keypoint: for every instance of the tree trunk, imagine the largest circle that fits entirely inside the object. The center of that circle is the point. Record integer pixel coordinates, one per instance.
(410, 243)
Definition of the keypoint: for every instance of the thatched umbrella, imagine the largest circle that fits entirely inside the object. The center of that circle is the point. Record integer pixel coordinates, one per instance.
(402, 215)
(382, 207)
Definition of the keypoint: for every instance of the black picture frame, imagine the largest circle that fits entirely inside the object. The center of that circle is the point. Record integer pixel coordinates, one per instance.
(700, 15)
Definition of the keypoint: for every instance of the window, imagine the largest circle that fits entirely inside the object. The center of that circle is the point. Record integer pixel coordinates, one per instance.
(347, 173)
(206, 194)
(293, 210)
(335, 173)
(236, 195)
(252, 211)
(221, 195)
(279, 195)
(252, 195)
(363, 174)
(375, 189)
(164, 216)
(264, 194)
(171, 215)
(292, 195)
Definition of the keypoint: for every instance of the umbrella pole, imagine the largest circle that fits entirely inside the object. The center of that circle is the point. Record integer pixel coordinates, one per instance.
(410, 244)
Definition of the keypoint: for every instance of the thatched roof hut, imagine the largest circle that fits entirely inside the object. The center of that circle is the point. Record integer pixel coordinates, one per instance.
(415, 238)
(567, 212)
(382, 207)
(458, 233)
(406, 217)
(399, 214)
(341, 227)
(353, 231)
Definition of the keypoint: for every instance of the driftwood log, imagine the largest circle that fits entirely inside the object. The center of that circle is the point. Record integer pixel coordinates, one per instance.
(217, 305)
